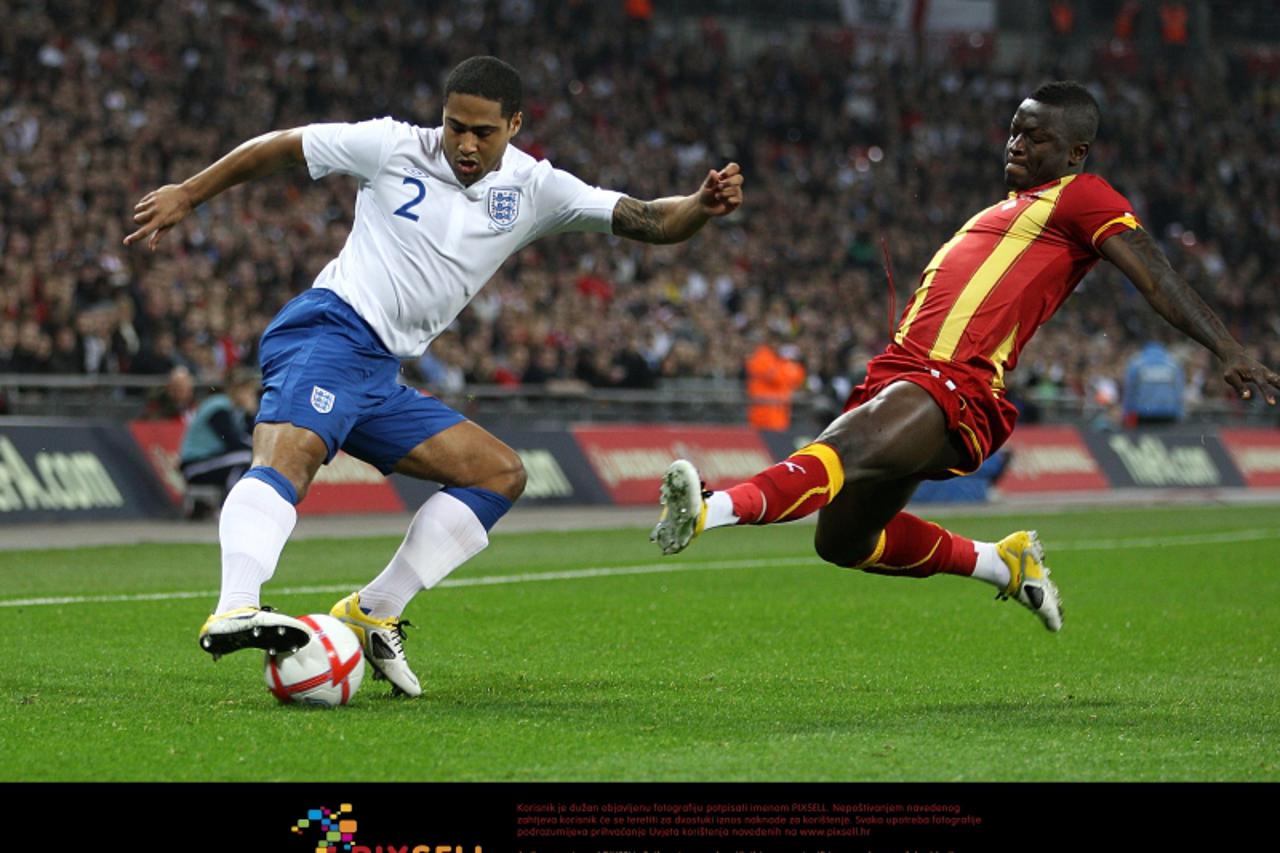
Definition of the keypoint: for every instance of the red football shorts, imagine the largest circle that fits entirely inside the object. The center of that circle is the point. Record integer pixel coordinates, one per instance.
(982, 419)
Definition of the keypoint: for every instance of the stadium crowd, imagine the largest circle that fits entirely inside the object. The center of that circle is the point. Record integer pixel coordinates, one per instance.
(843, 142)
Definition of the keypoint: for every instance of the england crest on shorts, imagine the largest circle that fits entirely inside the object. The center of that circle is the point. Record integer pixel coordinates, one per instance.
(321, 400)
(504, 207)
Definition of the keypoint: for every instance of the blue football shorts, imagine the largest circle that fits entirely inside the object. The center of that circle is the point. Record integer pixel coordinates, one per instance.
(324, 369)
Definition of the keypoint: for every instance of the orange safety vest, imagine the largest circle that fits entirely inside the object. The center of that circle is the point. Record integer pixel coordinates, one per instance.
(1063, 17)
(771, 382)
(1173, 23)
(640, 10)
(1124, 19)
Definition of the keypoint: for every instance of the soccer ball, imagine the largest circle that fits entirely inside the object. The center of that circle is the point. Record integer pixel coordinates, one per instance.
(327, 671)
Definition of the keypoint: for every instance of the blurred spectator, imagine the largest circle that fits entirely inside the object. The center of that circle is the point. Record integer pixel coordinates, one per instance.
(1062, 20)
(33, 351)
(639, 10)
(1174, 24)
(634, 367)
(773, 377)
(96, 328)
(544, 367)
(177, 399)
(217, 444)
(8, 345)
(1154, 384)
(597, 369)
(1175, 33)
(1126, 23)
(441, 367)
(68, 353)
(159, 356)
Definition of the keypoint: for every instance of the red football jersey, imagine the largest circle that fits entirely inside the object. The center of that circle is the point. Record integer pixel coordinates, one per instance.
(1007, 271)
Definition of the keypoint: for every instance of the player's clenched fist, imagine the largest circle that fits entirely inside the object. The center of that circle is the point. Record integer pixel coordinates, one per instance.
(721, 192)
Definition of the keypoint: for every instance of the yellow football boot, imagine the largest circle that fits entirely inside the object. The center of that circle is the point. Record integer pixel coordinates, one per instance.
(383, 643)
(1029, 582)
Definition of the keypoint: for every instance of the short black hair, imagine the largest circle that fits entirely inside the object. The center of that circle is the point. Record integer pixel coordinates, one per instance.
(1079, 109)
(490, 78)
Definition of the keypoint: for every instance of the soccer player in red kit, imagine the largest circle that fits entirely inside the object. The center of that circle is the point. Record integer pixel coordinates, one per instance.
(933, 404)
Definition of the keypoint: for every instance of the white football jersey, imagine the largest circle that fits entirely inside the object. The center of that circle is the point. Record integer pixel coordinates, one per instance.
(422, 245)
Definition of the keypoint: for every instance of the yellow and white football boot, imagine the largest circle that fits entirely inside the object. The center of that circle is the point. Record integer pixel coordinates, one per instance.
(252, 628)
(1029, 582)
(383, 643)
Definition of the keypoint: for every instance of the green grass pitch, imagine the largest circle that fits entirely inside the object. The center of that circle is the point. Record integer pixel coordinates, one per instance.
(745, 658)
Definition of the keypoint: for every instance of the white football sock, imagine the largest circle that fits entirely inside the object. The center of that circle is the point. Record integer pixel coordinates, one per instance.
(254, 525)
(720, 511)
(389, 593)
(990, 567)
(443, 535)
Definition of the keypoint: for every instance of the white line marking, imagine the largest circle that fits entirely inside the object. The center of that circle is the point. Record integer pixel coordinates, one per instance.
(487, 580)
(1160, 542)
(649, 569)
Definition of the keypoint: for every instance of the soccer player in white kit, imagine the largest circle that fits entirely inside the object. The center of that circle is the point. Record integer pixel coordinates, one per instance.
(438, 210)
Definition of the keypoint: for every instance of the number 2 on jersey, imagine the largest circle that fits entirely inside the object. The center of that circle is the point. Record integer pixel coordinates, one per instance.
(406, 209)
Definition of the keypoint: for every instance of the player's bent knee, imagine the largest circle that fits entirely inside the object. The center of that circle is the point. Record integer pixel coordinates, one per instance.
(843, 552)
(503, 473)
(513, 480)
(297, 472)
(296, 453)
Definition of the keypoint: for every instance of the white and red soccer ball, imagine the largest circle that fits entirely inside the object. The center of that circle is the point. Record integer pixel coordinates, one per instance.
(327, 671)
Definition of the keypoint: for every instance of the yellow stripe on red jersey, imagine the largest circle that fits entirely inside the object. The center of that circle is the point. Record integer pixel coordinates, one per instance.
(1006, 272)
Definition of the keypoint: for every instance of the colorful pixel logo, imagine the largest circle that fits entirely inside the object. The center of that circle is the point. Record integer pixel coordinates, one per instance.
(336, 831)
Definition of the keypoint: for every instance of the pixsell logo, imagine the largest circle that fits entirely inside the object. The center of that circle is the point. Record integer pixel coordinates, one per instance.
(334, 831)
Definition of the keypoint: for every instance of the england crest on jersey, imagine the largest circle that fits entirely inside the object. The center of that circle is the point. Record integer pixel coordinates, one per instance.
(321, 400)
(504, 207)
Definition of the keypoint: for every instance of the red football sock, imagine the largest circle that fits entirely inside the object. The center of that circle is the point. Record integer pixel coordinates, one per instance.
(803, 483)
(914, 548)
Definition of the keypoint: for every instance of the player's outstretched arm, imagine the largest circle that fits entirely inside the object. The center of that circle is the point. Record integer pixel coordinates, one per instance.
(675, 219)
(1136, 254)
(164, 208)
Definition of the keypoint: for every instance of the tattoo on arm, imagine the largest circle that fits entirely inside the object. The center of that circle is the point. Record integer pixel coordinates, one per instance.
(639, 220)
(1173, 298)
